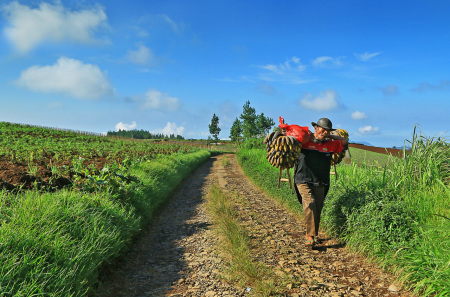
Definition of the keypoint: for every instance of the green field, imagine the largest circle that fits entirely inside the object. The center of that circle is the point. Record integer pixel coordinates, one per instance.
(53, 240)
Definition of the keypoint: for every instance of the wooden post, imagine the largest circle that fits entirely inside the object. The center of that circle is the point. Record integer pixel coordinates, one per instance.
(284, 179)
(335, 172)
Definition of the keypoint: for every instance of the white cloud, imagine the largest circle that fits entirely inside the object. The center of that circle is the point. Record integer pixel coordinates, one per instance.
(368, 130)
(287, 72)
(155, 99)
(126, 127)
(68, 76)
(170, 128)
(292, 64)
(326, 100)
(175, 27)
(390, 90)
(326, 62)
(358, 115)
(142, 56)
(28, 27)
(366, 56)
(424, 86)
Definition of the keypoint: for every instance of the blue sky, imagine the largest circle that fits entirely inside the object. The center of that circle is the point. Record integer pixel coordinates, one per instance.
(375, 68)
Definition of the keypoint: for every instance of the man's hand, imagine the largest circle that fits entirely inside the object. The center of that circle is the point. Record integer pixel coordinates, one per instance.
(337, 137)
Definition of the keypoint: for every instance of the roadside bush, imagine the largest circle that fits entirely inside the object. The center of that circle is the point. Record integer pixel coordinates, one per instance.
(253, 143)
(381, 227)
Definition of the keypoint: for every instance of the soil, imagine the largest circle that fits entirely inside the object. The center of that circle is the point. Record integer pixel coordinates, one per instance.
(179, 253)
(381, 150)
(16, 175)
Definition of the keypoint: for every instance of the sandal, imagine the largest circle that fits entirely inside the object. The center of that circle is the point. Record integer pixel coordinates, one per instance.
(310, 242)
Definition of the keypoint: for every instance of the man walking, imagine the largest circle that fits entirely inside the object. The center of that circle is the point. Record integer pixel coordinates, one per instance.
(312, 177)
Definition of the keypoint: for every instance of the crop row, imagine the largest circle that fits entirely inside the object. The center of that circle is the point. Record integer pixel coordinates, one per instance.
(37, 157)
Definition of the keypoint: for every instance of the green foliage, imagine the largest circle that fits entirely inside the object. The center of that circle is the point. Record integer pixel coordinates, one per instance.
(254, 125)
(264, 125)
(381, 227)
(253, 143)
(76, 156)
(214, 128)
(236, 130)
(393, 210)
(52, 244)
(255, 165)
(248, 117)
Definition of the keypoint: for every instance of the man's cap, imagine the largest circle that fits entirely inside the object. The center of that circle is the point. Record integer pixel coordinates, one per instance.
(324, 123)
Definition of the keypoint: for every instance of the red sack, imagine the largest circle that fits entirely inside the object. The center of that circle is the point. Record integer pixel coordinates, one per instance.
(300, 133)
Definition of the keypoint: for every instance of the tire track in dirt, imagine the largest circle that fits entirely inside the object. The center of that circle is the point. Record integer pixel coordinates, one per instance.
(177, 255)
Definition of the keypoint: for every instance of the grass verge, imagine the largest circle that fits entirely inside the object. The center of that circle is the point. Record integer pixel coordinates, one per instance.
(397, 213)
(235, 244)
(52, 244)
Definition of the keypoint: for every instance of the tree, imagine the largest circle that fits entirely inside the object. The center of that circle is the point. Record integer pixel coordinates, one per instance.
(236, 130)
(248, 118)
(264, 125)
(214, 129)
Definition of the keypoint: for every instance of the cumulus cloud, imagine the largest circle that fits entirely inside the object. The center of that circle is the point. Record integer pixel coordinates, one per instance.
(29, 27)
(126, 127)
(155, 99)
(366, 56)
(327, 62)
(326, 100)
(358, 115)
(67, 76)
(170, 128)
(424, 86)
(368, 130)
(141, 56)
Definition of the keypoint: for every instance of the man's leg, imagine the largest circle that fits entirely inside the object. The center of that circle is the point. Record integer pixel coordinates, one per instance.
(319, 195)
(309, 208)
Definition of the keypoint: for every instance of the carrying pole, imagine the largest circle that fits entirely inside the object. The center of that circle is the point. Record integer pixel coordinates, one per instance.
(284, 179)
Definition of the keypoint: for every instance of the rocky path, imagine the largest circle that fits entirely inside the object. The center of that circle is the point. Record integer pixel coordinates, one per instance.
(178, 256)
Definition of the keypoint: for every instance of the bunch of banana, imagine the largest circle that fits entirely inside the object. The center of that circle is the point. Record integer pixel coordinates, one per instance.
(338, 157)
(282, 150)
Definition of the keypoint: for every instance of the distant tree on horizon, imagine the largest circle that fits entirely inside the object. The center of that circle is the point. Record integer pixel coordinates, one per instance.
(142, 134)
(214, 128)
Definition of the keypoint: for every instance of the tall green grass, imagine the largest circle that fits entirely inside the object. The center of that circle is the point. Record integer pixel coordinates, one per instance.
(395, 213)
(52, 244)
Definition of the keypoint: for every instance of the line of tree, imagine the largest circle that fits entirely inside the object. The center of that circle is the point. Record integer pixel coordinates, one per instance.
(250, 124)
(142, 134)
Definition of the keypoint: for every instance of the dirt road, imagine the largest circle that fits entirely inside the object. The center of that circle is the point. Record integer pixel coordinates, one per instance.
(178, 255)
